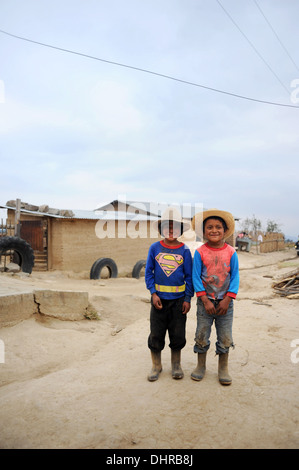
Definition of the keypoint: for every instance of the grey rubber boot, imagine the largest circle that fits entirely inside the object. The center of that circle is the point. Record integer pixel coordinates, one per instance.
(157, 366)
(176, 372)
(224, 377)
(199, 372)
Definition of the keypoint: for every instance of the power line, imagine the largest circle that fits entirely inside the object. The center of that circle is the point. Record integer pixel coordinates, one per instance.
(253, 46)
(274, 32)
(169, 77)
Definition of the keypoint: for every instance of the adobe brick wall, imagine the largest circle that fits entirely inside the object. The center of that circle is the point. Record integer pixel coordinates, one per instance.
(74, 246)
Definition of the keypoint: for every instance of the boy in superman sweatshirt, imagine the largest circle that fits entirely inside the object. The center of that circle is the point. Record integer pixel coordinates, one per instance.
(168, 277)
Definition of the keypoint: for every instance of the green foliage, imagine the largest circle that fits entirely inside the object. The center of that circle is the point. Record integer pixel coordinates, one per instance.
(91, 313)
(254, 225)
(272, 226)
(251, 225)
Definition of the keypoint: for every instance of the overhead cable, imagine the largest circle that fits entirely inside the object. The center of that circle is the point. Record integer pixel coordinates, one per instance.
(253, 47)
(169, 77)
(274, 32)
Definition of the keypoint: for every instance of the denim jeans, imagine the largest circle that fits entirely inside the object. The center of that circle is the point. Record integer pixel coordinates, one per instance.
(223, 324)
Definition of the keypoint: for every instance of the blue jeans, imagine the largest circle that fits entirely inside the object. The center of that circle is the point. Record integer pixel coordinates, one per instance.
(223, 324)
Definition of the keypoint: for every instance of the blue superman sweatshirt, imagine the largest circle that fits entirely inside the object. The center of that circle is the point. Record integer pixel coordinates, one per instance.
(168, 271)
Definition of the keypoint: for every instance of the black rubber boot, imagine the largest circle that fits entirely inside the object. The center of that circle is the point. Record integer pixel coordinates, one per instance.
(177, 372)
(157, 366)
(199, 372)
(224, 377)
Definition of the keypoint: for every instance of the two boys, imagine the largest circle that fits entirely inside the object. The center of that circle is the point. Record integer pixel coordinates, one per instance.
(215, 275)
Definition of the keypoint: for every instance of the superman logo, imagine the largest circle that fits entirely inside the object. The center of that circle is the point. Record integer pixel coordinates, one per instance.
(169, 262)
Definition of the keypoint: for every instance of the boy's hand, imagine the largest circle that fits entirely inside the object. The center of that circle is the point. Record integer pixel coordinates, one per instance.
(186, 307)
(223, 306)
(208, 305)
(157, 301)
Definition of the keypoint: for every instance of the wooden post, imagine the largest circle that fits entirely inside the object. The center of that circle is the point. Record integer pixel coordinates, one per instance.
(17, 218)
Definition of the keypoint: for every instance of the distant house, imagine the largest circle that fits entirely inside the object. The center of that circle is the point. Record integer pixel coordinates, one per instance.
(75, 240)
(72, 240)
(154, 209)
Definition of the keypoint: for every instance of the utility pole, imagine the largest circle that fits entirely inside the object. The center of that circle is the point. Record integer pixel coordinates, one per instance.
(17, 219)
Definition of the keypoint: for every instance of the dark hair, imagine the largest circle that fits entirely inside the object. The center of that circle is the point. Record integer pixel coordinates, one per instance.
(217, 218)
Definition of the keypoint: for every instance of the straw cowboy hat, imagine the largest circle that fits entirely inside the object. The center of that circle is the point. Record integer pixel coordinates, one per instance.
(200, 217)
(171, 213)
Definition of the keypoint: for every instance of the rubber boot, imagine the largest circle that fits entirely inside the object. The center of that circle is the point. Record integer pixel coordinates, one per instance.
(177, 372)
(224, 377)
(199, 372)
(157, 366)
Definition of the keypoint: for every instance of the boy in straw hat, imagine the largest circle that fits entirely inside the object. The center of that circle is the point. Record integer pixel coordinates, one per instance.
(216, 284)
(168, 277)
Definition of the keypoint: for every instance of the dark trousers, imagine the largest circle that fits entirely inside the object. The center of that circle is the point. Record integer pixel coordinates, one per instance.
(170, 318)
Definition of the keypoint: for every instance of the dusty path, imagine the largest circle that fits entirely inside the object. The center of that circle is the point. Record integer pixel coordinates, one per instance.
(83, 384)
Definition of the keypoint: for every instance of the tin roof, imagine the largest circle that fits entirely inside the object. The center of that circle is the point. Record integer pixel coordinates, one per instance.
(149, 211)
(87, 215)
(153, 208)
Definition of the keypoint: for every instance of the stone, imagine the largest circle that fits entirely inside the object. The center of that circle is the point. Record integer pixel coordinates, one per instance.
(43, 208)
(30, 207)
(15, 308)
(13, 268)
(66, 213)
(64, 305)
(53, 211)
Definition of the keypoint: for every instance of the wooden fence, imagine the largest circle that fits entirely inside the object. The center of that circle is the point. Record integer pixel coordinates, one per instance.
(272, 242)
(7, 229)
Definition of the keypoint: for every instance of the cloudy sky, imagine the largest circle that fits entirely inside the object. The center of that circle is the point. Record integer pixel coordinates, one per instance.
(76, 131)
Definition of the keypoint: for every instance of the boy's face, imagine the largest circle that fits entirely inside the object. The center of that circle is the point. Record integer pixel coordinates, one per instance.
(214, 231)
(171, 230)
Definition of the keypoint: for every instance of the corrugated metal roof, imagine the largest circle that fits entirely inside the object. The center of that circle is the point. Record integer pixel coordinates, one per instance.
(89, 215)
(36, 213)
(187, 210)
(109, 214)
(156, 209)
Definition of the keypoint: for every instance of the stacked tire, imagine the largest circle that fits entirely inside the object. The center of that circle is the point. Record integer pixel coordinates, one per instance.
(23, 254)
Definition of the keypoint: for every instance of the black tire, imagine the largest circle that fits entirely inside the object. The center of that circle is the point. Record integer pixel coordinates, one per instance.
(23, 253)
(137, 268)
(101, 263)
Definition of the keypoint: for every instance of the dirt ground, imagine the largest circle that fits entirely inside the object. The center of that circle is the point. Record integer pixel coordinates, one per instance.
(83, 384)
